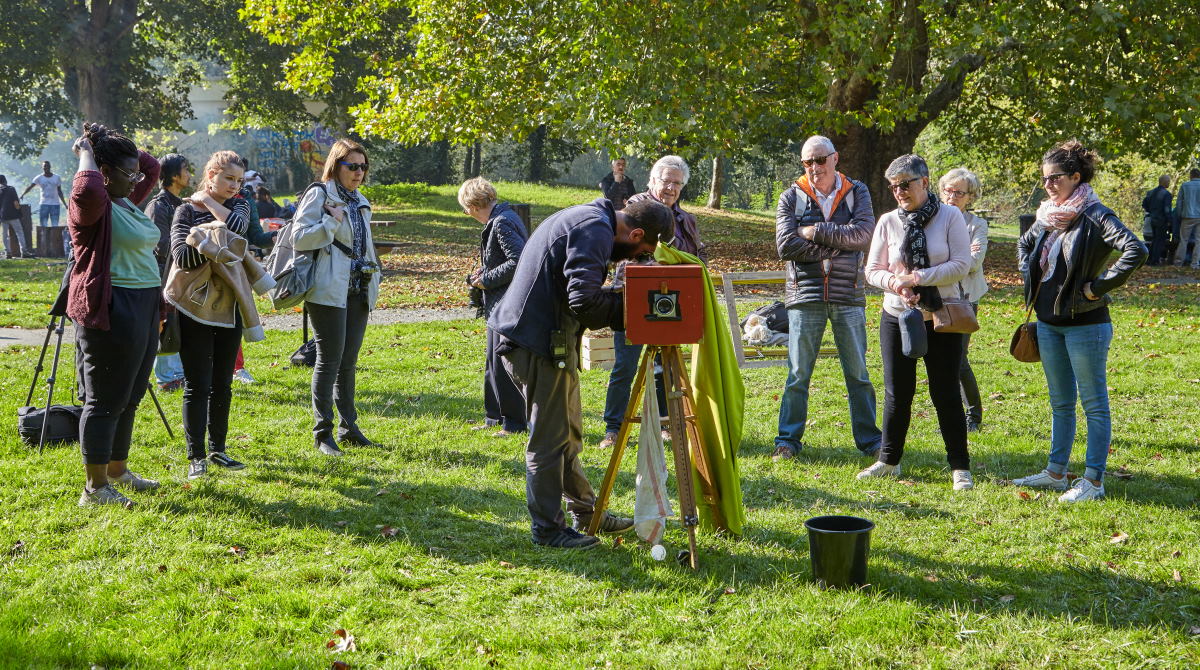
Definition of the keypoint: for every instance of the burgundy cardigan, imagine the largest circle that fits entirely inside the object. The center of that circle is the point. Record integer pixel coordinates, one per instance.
(89, 217)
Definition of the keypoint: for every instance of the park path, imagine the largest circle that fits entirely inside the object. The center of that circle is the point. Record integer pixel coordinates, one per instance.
(290, 321)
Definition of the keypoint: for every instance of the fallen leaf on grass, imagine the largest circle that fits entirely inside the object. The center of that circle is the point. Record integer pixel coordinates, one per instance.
(618, 541)
(17, 549)
(237, 551)
(1007, 598)
(380, 492)
(162, 568)
(1157, 457)
(1176, 576)
(343, 642)
(1118, 538)
(983, 522)
(908, 482)
(186, 487)
(405, 496)
(932, 578)
(1024, 496)
(1122, 474)
(340, 665)
(729, 590)
(341, 524)
(506, 564)
(1110, 565)
(1194, 630)
(1176, 554)
(388, 531)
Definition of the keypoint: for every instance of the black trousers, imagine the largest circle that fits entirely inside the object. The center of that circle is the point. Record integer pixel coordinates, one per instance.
(339, 333)
(1158, 243)
(502, 400)
(968, 386)
(207, 353)
(900, 386)
(114, 370)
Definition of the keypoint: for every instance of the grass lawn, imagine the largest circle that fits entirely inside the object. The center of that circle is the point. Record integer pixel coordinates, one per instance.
(258, 568)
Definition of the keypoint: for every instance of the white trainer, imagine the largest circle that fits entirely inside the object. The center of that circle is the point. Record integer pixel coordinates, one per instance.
(962, 480)
(1043, 480)
(1081, 491)
(880, 469)
(132, 480)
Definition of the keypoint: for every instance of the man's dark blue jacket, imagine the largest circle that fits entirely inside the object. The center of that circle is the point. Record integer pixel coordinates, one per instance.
(561, 272)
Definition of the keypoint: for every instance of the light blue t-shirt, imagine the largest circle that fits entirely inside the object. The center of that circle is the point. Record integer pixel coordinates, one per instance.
(134, 237)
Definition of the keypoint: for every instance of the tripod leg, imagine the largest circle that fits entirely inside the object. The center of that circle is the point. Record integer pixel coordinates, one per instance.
(699, 455)
(679, 445)
(37, 371)
(50, 381)
(161, 414)
(614, 463)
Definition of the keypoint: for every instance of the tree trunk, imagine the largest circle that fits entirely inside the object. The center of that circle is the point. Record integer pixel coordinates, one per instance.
(537, 154)
(467, 161)
(441, 157)
(864, 154)
(717, 187)
(477, 167)
(96, 31)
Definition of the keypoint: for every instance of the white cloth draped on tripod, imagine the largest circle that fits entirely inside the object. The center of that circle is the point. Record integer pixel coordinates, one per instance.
(651, 507)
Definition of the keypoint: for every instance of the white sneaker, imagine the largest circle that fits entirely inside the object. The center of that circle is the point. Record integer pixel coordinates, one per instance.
(962, 480)
(134, 481)
(880, 469)
(243, 376)
(1082, 490)
(1043, 480)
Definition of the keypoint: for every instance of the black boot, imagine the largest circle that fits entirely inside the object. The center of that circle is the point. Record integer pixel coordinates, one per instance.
(327, 446)
(357, 439)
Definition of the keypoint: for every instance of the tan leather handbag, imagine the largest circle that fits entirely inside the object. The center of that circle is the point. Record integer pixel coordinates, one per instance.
(1024, 344)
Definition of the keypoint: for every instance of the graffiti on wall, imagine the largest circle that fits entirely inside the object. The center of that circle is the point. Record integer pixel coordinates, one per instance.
(288, 161)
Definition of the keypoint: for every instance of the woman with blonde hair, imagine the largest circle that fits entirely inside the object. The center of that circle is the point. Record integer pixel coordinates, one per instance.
(960, 187)
(334, 219)
(207, 346)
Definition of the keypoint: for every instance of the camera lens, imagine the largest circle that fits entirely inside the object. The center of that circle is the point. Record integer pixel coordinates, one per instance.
(664, 306)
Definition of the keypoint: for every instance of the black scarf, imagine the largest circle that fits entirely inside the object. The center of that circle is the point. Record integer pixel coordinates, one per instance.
(914, 252)
(353, 203)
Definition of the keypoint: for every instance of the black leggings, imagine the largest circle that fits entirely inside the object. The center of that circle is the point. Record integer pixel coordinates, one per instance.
(339, 333)
(207, 353)
(900, 385)
(114, 371)
(967, 382)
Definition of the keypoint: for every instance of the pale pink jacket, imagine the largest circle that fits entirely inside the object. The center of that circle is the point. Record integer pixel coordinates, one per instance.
(949, 257)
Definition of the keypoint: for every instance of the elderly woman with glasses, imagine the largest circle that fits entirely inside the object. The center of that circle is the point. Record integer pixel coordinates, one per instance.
(334, 219)
(1064, 259)
(920, 254)
(960, 188)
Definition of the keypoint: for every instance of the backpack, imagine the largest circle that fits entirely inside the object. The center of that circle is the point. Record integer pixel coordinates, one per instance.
(292, 270)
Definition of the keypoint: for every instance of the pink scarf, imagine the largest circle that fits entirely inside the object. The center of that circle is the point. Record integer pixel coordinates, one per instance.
(1059, 218)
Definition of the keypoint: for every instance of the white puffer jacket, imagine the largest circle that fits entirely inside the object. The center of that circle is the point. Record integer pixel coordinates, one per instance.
(314, 228)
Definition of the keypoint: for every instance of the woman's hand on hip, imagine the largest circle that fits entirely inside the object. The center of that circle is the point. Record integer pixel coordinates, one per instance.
(336, 212)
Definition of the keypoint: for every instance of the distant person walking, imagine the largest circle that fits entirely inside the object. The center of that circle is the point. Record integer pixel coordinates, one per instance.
(1187, 208)
(616, 186)
(48, 205)
(1064, 260)
(10, 221)
(959, 188)
(1157, 205)
(500, 246)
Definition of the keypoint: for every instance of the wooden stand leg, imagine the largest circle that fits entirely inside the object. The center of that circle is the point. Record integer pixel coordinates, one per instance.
(679, 446)
(708, 487)
(614, 463)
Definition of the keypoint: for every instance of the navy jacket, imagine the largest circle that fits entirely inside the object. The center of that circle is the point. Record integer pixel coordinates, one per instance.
(561, 273)
(1157, 205)
(830, 267)
(500, 246)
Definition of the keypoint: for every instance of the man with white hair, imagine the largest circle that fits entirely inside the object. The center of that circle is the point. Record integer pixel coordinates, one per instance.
(667, 179)
(823, 228)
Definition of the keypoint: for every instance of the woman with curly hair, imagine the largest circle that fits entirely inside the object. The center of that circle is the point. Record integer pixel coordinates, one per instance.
(114, 298)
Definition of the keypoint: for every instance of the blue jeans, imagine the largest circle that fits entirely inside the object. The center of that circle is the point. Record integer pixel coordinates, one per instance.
(806, 327)
(1074, 359)
(620, 381)
(167, 368)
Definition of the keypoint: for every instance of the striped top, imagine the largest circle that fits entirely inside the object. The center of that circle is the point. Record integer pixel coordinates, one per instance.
(186, 217)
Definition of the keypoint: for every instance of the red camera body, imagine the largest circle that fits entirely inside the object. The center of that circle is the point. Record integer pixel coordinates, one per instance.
(664, 304)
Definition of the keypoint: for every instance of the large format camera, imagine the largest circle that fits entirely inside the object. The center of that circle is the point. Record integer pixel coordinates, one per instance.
(664, 304)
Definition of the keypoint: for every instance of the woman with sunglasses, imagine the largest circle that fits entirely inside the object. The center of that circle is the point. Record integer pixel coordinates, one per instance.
(920, 253)
(113, 296)
(207, 347)
(1064, 260)
(334, 219)
(959, 189)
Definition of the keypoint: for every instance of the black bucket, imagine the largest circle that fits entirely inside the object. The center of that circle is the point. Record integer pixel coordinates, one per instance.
(838, 546)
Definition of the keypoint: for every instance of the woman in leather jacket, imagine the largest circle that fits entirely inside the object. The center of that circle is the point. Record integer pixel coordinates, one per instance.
(1064, 260)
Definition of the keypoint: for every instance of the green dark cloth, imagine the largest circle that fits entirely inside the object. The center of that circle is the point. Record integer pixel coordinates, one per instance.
(134, 237)
(720, 404)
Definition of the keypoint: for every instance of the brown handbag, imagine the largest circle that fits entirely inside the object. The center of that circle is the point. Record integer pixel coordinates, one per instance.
(1024, 344)
(955, 316)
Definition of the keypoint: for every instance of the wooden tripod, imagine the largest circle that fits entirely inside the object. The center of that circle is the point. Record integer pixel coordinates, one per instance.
(681, 424)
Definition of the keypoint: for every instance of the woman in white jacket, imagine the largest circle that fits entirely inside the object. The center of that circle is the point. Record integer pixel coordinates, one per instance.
(920, 253)
(335, 218)
(959, 188)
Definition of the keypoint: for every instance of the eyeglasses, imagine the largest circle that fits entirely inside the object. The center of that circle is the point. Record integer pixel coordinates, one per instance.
(903, 186)
(354, 167)
(819, 160)
(951, 193)
(664, 182)
(133, 177)
(1054, 177)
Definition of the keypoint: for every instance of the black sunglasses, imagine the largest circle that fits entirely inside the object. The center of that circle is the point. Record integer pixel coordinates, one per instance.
(353, 167)
(819, 160)
(904, 185)
(1054, 177)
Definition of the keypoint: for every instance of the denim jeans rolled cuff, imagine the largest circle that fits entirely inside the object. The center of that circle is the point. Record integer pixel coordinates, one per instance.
(806, 328)
(1075, 359)
(1089, 472)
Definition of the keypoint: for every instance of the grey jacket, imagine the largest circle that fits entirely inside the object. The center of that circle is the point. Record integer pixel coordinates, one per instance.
(316, 229)
(830, 267)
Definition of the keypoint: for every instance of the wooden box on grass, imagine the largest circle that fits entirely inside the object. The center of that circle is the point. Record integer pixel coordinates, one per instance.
(598, 351)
